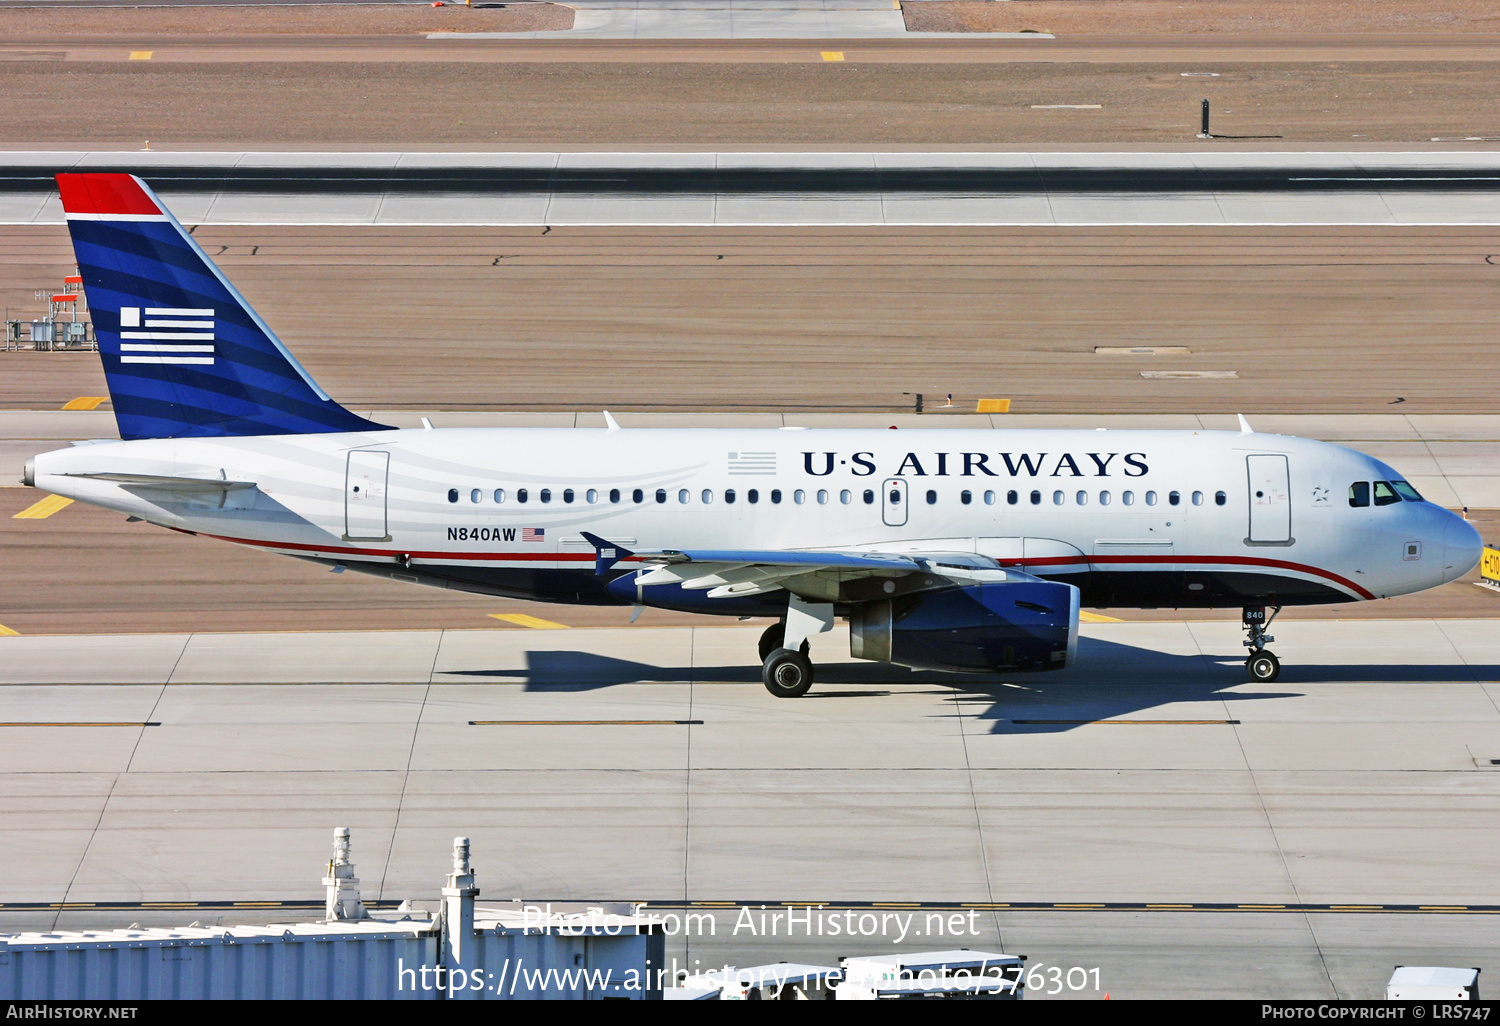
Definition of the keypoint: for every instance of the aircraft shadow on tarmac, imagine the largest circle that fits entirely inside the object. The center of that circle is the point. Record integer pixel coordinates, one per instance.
(1111, 681)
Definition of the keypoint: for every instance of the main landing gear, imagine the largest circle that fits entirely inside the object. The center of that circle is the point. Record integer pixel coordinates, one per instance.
(1262, 666)
(785, 669)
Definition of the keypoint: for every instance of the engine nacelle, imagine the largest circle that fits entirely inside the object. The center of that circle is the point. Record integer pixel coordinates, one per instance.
(1021, 624)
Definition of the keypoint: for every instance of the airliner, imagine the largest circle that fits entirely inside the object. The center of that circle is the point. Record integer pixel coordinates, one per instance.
(968, 551)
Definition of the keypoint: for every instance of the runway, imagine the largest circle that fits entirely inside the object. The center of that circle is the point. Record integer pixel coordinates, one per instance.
(771, 189)
(1361, 778)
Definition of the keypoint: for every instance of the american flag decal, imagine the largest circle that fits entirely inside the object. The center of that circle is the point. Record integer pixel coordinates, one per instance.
(172, 335)
(752, 464)
(533, 534)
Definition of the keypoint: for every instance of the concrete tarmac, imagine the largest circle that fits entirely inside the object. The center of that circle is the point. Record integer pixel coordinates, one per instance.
(1150, 774)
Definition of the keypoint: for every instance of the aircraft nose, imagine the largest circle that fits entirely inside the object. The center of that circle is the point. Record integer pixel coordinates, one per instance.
(1462, 547)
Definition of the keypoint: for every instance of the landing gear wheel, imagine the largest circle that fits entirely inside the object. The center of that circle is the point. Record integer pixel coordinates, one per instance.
(1263, 667)
(787, 674)
(771, 640)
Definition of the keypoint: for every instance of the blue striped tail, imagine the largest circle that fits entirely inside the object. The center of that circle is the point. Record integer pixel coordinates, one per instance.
(184, 355)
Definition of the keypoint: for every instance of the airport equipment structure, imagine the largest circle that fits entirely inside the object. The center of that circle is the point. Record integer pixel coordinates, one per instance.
(62, 329)
(779, 981)
(1432, 983)
(458, 952)
(954, 974)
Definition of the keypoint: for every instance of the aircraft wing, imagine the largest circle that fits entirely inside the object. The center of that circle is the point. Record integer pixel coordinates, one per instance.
(726, 573)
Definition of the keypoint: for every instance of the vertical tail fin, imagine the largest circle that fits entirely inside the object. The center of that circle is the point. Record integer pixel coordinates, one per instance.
(184, 354)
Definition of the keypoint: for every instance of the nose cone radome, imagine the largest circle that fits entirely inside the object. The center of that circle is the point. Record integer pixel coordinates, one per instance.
(1461, 548)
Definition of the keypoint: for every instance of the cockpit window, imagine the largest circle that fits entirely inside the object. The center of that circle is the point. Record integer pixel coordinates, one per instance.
(1385, 494)
(1359, 493)
(1406, 491)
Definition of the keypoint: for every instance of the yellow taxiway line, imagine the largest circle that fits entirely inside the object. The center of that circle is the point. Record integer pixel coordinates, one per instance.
(44, 509)
(534, 622)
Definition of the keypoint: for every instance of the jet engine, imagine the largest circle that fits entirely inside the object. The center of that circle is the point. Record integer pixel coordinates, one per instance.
(1024, 624)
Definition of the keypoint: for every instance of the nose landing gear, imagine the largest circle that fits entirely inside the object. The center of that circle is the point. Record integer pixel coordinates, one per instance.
(1261, 666)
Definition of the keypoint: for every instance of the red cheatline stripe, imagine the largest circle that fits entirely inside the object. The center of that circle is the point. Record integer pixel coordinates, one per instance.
(104, 194)
(1279, 564)
(588, 557)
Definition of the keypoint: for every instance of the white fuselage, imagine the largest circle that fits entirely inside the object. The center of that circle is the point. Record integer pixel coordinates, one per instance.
(1123, 507)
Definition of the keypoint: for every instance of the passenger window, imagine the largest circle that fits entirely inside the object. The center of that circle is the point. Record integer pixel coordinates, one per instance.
(869, 496)
(1406, 491)
(1082, 498)
(476, 496)
(661, 495)
(989, 498)
(776, 495)
(545, 495)
(1128, 498)
(1151, 498)
(522, 495)
(1359, 493)
(614, 495)
(822, 496)
(499, 494)
(593, 495)
(799, 496)
(567, 495)
(895, 496)
(452, 494)
(966, 497)
(1011, 498)
(752, 496)
(1036, 498)
(1058, 498)
(1220, 498)
(1197, 498)
(846, 496)
(1385, 494)
(708, 496)
(729, 495)
(683, 495)
(1104, 498)
(1174, 499)
(637, 496)
(931, 497)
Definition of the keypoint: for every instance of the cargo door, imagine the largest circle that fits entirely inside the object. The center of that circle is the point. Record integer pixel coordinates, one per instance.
(364, 496)
(893, 502)
(1270, 500)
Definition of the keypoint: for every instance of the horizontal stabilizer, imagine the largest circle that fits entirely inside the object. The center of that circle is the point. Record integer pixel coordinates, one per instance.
(170, 484)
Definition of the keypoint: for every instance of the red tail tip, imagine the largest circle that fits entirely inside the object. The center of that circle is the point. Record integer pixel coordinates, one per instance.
(104, 194)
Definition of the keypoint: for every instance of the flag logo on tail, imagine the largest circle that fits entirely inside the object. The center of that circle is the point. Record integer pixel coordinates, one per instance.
(171, 335)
